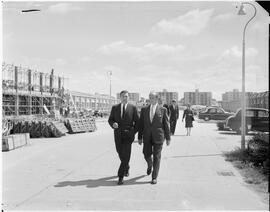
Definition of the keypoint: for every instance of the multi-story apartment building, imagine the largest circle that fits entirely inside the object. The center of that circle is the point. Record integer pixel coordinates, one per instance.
(198, 98)
(231, 95)
(168, 96)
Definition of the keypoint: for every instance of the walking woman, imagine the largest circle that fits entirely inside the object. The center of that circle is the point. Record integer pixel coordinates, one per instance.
(189, 118)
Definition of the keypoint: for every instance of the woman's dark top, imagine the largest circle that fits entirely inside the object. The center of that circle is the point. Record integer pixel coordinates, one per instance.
(188, 115)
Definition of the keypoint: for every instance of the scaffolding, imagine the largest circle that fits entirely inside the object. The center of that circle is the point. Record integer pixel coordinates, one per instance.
(27, 91)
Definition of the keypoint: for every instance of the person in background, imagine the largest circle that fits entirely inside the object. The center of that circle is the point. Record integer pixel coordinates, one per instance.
(160, 103)
(174, 115)
(189, 118)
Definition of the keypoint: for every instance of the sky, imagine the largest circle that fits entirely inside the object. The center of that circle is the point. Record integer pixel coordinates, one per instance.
(173, 45)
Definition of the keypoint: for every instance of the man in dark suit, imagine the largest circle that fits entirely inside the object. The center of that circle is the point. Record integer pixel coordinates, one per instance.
(160, 102)
(174, 115)
(153, 130)
(124, 120)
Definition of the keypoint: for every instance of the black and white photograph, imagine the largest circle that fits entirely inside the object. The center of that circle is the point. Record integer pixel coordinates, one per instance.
(135, 105)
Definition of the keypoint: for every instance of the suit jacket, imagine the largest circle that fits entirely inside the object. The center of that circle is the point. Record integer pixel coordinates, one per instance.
(158, 130)
(127, 126)
(168, 109)
(174, 112)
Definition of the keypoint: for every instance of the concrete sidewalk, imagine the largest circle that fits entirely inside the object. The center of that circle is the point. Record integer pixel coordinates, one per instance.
(79, 172)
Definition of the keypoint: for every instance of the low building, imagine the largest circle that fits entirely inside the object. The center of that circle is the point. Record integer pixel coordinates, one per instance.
(84, 101)
(253, 99)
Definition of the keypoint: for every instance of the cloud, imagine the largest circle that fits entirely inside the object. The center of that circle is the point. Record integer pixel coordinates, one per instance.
(223, 17)
(236, 52)
(191, 23)
(60, 61)
(145, 52)
(62, 8)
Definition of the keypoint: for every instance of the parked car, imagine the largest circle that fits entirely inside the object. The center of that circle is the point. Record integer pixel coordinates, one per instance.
(214, 113)
(197, 109)
(257, 119)
(221, 125)
(98, 113)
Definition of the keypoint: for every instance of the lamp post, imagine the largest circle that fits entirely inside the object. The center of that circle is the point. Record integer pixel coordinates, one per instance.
(243, 104)
(110, 75)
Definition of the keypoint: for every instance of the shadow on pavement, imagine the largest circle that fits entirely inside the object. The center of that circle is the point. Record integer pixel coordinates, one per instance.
(192, 156)
(106, 181)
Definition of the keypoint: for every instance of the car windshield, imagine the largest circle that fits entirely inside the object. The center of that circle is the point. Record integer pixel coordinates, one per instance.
(212, 110)
(220, 110)
(203, 110)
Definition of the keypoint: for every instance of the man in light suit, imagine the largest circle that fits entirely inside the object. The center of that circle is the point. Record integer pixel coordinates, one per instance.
(153, 130)
(174, 115)
(124, 120)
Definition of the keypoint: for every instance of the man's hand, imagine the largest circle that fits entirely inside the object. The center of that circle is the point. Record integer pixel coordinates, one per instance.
(168, 142)
(115, 125)
(140, 141)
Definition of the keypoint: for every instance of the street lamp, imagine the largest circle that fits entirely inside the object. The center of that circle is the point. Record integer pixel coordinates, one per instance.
(110, 75)
(243, 104)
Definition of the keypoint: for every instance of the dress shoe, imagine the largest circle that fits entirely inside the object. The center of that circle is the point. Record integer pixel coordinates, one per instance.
(127, 174)
(154, 181)
(120, 181)
(149, 170)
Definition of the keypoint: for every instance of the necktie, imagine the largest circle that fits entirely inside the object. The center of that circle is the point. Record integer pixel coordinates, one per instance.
(123, 110)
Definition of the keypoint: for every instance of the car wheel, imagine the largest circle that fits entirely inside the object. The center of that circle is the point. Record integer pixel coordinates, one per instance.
(221, 127)
(206, 118)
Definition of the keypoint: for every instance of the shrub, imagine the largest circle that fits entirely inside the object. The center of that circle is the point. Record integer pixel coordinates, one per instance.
(258, 149)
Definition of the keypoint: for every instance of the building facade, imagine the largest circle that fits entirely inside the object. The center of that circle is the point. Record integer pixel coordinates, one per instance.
(253, 99)
(231, 95)
(83, 101)
(198, 98)
(168, 96)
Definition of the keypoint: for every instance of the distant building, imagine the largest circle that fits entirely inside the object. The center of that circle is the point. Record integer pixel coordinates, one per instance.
(167, 96)
(253, 99)
(231, 95)
(198, 98)
(85, 101)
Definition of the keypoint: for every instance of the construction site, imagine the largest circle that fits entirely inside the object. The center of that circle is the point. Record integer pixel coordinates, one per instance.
(37, 104)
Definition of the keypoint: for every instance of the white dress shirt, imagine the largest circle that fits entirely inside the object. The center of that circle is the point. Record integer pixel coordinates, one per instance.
(153, 109)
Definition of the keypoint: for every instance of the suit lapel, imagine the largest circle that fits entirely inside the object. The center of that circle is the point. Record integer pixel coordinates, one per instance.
(119, 111)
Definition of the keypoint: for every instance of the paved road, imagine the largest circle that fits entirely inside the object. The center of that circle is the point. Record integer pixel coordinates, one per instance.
(79, 172)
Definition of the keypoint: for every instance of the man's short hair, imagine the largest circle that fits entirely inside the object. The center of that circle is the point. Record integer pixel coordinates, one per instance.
(155, 94)
(173, 100)
(123, 92)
